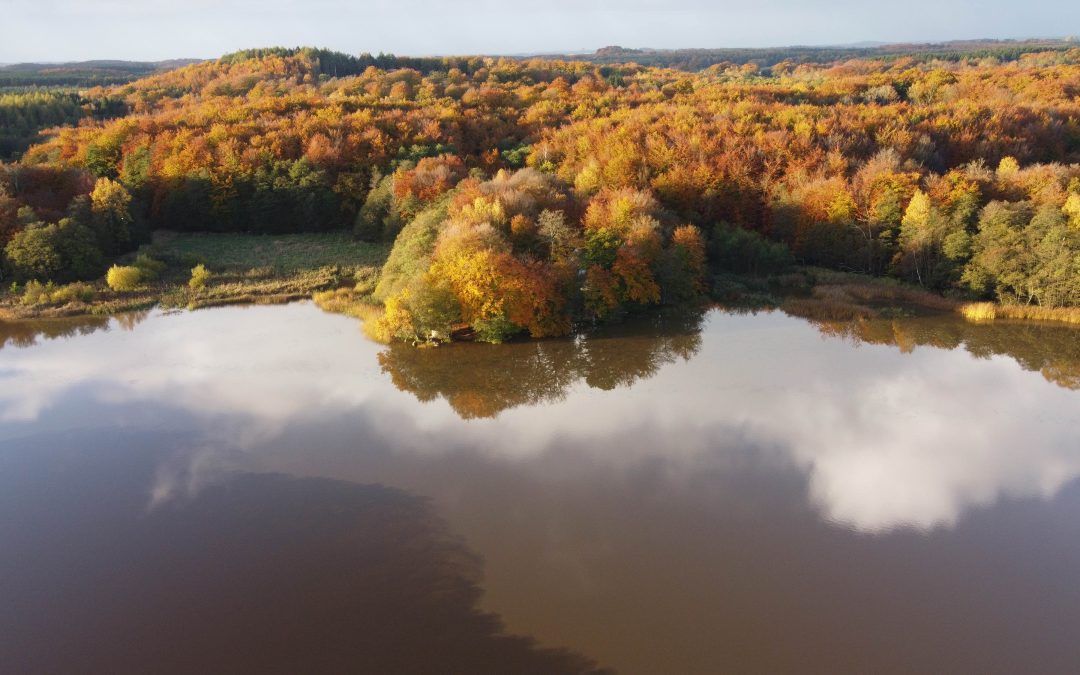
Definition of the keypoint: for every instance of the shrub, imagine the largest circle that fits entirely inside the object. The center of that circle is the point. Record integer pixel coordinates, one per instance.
(366, 278)
(495, 329)
(78, 291)
(988, 311)
(199, 277)
(151, 268)
(348, 302)
(35, 293)
(124, 278)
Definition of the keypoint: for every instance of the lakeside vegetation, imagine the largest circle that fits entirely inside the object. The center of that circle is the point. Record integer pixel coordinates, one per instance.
(204, 270)
(528, 197)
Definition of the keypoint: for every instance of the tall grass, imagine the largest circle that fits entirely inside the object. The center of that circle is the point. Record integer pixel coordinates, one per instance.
(979, 311)
(988, 311)
(349, 302)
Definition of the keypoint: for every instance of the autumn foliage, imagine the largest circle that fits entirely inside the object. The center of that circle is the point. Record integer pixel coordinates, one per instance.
(525, 195)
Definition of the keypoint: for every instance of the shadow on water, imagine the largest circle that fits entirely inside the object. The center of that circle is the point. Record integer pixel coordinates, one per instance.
(250, 573)
(481, 380)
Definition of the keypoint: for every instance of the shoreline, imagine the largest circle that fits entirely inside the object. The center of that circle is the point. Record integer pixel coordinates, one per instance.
(338, 272)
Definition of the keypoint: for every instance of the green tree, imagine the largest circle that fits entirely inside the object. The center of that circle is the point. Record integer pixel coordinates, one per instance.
(32, 252)
(1001, 261)
(62, 251)
(1055, 249)
(103, 158)
(111, 216)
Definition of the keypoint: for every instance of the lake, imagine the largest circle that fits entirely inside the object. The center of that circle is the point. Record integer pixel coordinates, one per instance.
(263, 489)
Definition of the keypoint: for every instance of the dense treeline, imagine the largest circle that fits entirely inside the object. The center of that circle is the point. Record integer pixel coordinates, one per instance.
(528, 194)
(82, 74)
(35, 97)
(766, 57)
(23, 115)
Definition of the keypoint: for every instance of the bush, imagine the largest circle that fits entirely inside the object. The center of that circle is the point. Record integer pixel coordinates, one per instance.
(37, 293)
(366, 278)
(78, 291)
(979, 311)
(199, 277)
(495, 329)
(124, 278)
(151, 268)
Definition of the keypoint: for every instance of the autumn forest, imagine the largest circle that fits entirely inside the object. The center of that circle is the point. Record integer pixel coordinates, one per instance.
(525, 196)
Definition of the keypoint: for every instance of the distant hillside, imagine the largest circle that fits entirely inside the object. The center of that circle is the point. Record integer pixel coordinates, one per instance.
(82, 73)
(699, 59)
(38, 96)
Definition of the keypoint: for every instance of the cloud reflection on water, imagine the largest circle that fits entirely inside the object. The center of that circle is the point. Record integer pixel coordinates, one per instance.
(887, 439)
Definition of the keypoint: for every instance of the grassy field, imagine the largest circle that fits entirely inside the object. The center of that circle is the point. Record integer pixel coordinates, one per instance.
(283, 254)
(244, 268)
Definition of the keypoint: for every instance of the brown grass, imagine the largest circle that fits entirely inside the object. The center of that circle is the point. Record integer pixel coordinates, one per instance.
(837, 296)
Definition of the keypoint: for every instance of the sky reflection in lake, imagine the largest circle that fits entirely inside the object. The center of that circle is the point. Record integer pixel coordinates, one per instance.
(674, 495)
(888, 439)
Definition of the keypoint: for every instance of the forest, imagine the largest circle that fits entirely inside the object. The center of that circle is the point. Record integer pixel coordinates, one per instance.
(526, 196)
(766, 57)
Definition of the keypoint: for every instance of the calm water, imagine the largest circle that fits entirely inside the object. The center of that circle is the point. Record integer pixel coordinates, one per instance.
(263, 490)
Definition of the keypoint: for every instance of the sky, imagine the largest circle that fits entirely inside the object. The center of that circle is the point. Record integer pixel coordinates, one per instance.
(61, 30)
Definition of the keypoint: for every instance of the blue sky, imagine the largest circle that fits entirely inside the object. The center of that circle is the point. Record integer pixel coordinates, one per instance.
(157, 29)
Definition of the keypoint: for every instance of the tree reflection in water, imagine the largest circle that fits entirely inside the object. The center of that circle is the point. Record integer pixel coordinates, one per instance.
(484, 380)
(480, 380)
(25, 332)
(1050, 349)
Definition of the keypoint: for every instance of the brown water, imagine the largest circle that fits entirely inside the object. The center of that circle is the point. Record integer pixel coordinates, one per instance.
(264, 490)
